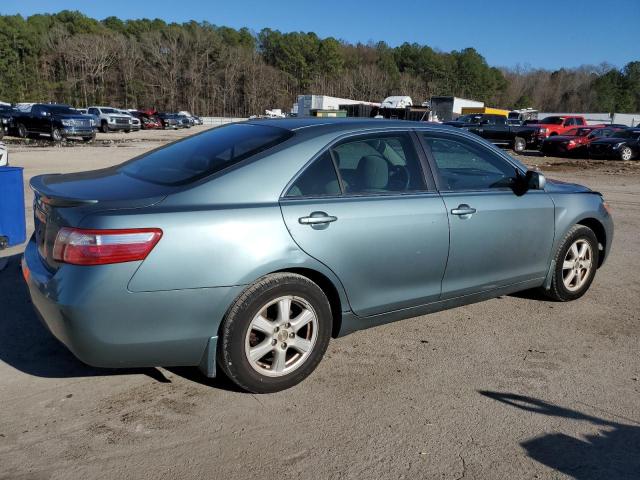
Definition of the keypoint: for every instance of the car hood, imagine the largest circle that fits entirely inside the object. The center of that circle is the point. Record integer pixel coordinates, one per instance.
(108, 187)
(558, 186)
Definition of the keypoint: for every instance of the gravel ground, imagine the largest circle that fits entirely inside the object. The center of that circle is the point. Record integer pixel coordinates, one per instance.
(512, 388)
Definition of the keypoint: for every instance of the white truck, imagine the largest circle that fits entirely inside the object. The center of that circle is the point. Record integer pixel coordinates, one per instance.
(111, 119)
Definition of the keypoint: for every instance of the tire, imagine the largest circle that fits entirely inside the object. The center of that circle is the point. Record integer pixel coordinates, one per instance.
(1, 133)
(626, 153)
(56, 135)
(244, 328)
(22, 131)
(104, 126)
(519, 144)
(560, 289)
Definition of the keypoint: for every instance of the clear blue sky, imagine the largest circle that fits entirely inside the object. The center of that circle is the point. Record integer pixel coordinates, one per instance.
(539, 33)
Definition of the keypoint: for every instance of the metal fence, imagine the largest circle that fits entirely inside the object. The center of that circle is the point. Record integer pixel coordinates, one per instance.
(221, 120)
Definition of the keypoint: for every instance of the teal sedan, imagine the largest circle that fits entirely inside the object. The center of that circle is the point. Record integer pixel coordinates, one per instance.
(245, 248)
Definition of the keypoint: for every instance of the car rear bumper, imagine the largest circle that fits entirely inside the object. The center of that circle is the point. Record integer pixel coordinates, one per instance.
(90, 310)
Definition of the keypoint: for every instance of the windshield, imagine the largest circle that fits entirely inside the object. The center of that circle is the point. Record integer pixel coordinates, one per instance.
(201, 155)
(552, 120)
(108, 110)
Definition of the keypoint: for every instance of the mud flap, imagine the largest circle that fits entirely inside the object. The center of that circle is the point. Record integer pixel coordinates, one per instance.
(208, 361)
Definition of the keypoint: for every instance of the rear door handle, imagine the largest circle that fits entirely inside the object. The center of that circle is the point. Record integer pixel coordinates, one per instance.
(317, 218)
(463, 210)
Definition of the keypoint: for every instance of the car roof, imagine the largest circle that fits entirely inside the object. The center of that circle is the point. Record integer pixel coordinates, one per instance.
(325, 125)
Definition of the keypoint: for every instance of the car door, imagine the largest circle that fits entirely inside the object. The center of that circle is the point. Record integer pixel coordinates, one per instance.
(33, 121)
(366, 210)
(498, 237)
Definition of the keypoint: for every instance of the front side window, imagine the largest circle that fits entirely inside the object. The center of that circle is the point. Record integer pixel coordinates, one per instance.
(201, 155)
(465, 165)
(380, 163)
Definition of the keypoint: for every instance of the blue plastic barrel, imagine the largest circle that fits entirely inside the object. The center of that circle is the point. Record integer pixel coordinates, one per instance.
(12, 225)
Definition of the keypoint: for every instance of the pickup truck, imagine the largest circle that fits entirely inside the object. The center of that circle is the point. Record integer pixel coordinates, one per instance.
(495, 129)
(56, 120)
(558, 125)
(111, 120)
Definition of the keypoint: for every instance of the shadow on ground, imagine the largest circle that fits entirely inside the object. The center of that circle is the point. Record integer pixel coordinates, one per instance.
(27, 345)
(613, 453)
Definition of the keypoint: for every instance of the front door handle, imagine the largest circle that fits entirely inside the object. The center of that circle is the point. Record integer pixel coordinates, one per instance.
(317, 218)
(463, 210)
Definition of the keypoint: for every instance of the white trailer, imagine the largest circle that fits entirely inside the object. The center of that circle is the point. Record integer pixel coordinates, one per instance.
(306, 103)
(445, 109)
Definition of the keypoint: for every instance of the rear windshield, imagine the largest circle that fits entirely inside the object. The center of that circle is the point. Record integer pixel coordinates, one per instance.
(201, 155)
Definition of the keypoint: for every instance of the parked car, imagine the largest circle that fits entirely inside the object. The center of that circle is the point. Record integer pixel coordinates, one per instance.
(558, 125)
(169, 120)
(197, 121)
(184, 121)
(6, 119)
(575, 142)
(194, 120)
(147, 121)
(111, 119)
(495, 129)
(135, 122)
(56, 120)
(623, 145)
(248, 246)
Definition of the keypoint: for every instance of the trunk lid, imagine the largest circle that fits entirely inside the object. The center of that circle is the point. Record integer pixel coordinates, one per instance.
(63, 200)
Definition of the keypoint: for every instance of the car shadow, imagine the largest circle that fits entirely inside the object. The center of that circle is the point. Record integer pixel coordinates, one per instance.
(614, 452)
(26, 344)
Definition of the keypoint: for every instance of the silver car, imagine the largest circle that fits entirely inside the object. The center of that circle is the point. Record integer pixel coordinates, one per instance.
(245, 248)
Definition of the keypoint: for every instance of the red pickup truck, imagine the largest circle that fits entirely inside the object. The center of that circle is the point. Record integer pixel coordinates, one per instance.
(550, 126)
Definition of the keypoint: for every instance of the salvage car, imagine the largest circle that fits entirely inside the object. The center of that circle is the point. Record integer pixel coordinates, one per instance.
(55, 120)
(169, 120)
(623, 145)
(575, 142)
(111, 119)
(147, 121)
(246, 247)
(496, 129)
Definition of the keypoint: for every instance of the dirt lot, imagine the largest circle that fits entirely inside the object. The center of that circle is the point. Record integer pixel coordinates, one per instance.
(512, 388)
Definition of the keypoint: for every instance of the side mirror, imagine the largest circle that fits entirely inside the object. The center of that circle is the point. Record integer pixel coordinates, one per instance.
(535, 180)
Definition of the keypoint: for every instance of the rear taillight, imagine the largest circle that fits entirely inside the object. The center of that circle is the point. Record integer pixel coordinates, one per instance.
(99, 247)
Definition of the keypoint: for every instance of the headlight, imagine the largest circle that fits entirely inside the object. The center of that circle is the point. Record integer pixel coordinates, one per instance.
(111, 119)
(618, 145)
(4, 120)
(67, 123)
(92, 122)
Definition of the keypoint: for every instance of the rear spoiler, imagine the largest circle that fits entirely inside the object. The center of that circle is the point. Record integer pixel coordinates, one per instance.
(46, 195)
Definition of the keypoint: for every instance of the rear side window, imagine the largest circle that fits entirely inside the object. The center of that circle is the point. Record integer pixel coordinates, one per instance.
(381, 163)
(201, 155)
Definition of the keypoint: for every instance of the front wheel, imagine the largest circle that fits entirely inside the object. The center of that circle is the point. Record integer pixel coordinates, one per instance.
(519, 145)
(575, 264)
(56, 135)
(275, 334)
(22, 131)
(105, 127)
(626, 154)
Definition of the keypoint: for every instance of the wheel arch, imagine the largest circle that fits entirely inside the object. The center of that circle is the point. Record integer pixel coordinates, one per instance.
(601, 234)
(329, 289)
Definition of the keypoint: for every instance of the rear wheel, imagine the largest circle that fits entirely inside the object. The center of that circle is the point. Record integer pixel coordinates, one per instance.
(275, 334)
(626, 153)
(519, 144)
(575, 264)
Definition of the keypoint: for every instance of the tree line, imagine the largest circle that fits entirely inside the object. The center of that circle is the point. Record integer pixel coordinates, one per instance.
(68, 57)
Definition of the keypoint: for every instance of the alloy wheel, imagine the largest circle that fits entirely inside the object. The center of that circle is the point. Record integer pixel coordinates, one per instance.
(626, 153)
(577, 265)
(281, 336)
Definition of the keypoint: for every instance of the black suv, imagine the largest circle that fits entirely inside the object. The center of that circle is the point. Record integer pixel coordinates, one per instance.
(622, 145)
(55, 120)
